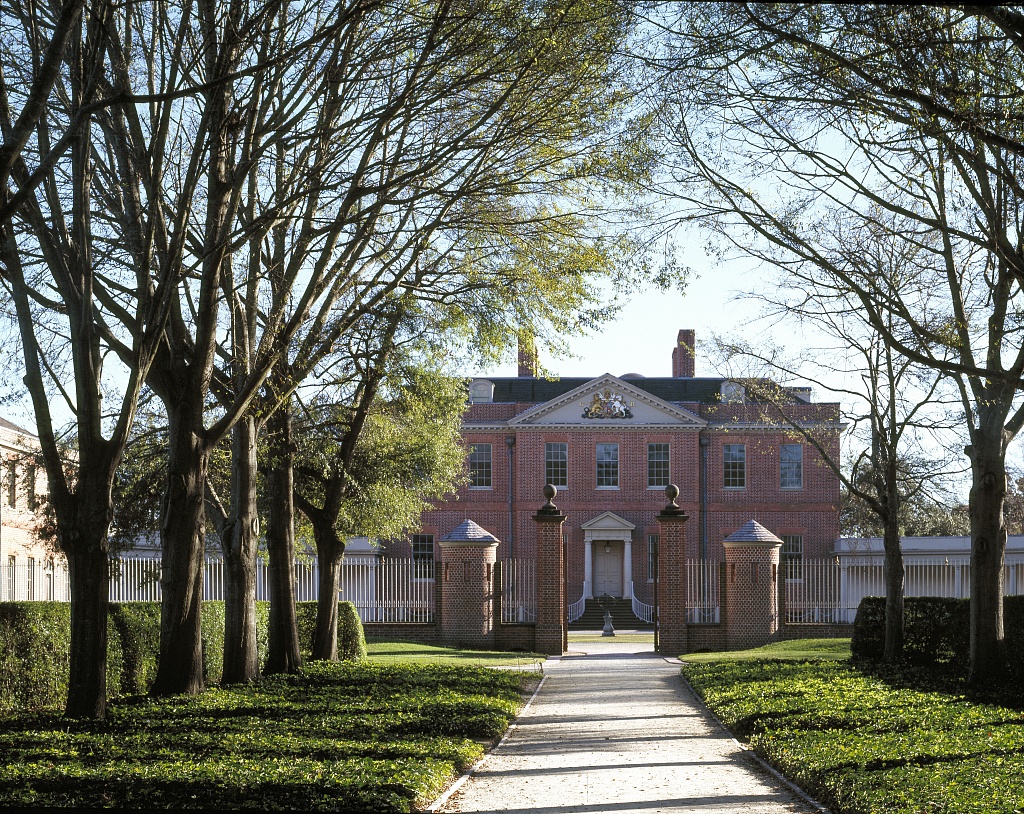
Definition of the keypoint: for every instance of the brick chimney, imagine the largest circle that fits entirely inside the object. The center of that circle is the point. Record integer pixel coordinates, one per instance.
(683, 354)
(527, 355)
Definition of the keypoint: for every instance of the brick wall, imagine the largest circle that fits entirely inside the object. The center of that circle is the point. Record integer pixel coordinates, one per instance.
(750, 603)
(427, 632)
(550, 631)
(467, 594)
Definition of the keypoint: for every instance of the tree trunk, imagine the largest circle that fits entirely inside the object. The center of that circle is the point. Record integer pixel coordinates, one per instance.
(988, 548)
(894, 589)
(183, 538)
(89, 574)
(241, 659)
(283, 654)
(329, 550)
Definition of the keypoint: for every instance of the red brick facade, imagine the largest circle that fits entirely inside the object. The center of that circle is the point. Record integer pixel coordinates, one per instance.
(514, 419)
(467, 594)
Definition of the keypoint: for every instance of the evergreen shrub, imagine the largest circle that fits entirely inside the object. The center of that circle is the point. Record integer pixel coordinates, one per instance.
(351, 639)
(936, 631)
(35, 638)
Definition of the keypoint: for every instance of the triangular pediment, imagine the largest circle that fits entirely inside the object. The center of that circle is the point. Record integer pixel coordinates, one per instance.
(607, 401)
(608, 521)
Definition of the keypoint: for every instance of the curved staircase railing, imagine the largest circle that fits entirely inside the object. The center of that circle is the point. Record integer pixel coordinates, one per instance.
(576, 608)
(641, 609)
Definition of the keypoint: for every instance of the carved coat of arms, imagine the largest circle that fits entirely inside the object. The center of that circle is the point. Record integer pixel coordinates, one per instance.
(607, 405)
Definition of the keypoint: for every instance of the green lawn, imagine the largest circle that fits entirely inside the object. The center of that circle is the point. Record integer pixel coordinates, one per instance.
(638, 637)
(793, 650)
(352, 736)
(381, 651)
(862, 745)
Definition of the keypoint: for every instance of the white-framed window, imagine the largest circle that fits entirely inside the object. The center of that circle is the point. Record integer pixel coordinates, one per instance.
(792, 556)
(12, 577)
(480, 466)
(556, 464)
(481, 391)
(423, 556)
(734, 466)
(652, 557)
(791, 466)
(607, 466)
(733, 393)
(657, 466)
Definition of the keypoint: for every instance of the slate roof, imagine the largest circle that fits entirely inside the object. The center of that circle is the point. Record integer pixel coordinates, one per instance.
(468, 531)
(537, 390)
(752, 532)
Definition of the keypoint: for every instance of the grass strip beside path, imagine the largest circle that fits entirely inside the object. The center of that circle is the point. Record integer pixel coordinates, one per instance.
(861, 746)
(348, 737)
(389, 651)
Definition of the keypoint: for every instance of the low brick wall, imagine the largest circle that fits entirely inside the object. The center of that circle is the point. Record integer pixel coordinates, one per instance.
(515, 637)
(427, 632)
(705, 637)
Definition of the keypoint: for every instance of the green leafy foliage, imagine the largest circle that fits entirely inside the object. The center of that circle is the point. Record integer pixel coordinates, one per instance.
(351, 639)
(937, 632)
(339, 737)
(860, 744)
(35, 639)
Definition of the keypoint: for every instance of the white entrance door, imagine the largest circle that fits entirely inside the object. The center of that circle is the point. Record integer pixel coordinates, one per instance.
(608, 568)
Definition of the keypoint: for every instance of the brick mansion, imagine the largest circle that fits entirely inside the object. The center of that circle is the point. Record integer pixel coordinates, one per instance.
(611, 444)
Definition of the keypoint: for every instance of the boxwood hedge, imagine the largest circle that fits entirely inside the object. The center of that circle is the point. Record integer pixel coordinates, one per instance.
(937, 632)
(35, 638)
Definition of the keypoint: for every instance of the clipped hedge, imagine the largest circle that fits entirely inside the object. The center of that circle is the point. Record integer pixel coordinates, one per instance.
(351, 639)
(35, 638)
(936, 631)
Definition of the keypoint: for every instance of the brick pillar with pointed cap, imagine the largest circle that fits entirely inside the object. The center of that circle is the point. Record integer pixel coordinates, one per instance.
(550, 632)
(468, 554)
(751, 595)
(672, 638)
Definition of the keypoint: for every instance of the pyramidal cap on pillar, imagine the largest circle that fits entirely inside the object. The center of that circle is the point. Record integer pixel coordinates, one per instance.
(469, 533)
(752, 533)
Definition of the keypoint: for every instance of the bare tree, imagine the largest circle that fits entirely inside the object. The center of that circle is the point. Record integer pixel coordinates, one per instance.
(828, 104)
(420, 149)
(900, 428)
(56, 264)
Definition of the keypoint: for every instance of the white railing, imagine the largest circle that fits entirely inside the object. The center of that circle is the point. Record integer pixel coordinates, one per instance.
(397, 589)
(576, 608)
(824, 591)
(383, 590)
(702, 592)
(519, 591)
(815, 591)
(641, 610)
(30, 579)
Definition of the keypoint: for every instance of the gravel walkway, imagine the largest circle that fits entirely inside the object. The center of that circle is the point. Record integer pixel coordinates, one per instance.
(615, 730)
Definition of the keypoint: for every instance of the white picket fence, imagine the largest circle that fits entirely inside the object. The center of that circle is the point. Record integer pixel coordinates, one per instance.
(382, 589)
(519, 591)
(829, 591)
(403, 590)
(702, 592)
(35, 580)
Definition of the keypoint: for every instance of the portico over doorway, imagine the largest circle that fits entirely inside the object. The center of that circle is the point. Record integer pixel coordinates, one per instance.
(608, 545)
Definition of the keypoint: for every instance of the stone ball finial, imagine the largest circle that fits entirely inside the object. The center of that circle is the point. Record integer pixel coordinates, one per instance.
(549, 493)
(672, 492)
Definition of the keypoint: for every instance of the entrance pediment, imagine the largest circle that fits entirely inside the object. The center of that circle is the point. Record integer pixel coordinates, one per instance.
(607, 401)
(607, 521)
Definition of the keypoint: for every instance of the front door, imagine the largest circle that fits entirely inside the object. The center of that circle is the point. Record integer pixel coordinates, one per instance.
(608, 567)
